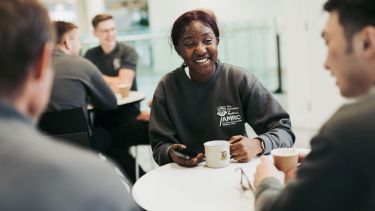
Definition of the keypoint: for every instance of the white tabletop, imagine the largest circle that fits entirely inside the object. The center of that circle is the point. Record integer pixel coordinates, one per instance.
(172, 187)
(134, 96)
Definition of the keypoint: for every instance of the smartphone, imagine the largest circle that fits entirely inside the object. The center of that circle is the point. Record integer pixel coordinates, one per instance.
(186, 153)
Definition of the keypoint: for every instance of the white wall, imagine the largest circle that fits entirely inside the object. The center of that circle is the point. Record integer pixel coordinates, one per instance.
(312, 94)
(227, 12)
(161, 17)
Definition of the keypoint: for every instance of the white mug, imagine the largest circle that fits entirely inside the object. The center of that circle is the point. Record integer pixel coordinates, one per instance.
(217, 153)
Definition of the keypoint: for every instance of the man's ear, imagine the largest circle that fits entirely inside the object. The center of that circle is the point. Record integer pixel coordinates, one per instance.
(217, 40)
(68, 43)
(367, 36)
(43, 61)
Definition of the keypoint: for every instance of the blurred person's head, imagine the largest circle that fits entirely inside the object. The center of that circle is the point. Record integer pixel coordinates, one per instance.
(195, 37)
(105, 29)
(26, 40)
(350, 38)
(67, 37)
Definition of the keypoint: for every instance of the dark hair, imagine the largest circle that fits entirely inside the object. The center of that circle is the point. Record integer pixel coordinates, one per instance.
(99, 18)
(61, 28)
(25, 27)
(354, 15)
(185, 19)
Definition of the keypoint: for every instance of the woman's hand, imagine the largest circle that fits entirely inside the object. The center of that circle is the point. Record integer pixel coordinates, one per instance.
(182, 161)
(244, 149)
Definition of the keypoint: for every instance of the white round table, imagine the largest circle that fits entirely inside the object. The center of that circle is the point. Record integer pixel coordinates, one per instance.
(172, 187)
(175, 188)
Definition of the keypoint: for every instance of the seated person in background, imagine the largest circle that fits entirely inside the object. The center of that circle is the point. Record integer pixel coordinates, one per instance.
(118, 62)
(338, 173)
(205, 100)
(37, 172)
(77, 81)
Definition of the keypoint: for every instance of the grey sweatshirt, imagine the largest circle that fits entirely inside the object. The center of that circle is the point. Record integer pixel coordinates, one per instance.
(190, 112)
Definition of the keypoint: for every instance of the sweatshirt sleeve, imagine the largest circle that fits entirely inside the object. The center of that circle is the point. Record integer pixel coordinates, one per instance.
(162, 131)
(100, 95)
(266, 116)
(267, 192)
(129, 58)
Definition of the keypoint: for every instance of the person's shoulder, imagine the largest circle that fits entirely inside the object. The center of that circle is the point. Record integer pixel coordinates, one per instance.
(77, 175)
(93, 50)
(127, 49)
(168, 81)
(42, 149)
(358, 111)
(93, 53)
(171, 76)
(238, 74)
(353, 121)
(84, 65)
(125, 46)
(236, 70)
(73, 161)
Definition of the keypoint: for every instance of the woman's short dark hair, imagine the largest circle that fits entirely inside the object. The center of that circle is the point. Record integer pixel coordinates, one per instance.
(25, 27)
(185, 19)
(354, 15)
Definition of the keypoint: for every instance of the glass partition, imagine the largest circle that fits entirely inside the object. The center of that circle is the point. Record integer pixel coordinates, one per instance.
(250, 45)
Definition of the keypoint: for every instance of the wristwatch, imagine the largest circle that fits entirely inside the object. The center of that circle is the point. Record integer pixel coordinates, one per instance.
(261, 146)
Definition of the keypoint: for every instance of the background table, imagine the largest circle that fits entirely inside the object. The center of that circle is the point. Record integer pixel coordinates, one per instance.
(134, 96)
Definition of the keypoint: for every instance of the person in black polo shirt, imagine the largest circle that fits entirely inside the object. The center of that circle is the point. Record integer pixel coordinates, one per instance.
(118, 62)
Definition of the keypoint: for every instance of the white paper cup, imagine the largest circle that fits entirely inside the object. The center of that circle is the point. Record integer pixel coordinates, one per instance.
(217, 153)
(124, 90)
(285, 158)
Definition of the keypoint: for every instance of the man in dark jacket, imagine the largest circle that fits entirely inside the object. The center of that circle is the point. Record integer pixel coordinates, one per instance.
(339, 172)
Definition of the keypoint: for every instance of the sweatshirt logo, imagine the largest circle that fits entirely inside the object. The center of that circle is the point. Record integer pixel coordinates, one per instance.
(116, 63)
(221, 110)
(228, 115)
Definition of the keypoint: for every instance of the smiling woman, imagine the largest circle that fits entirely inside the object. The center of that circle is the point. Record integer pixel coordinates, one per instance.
(196, 37)
(205, 100)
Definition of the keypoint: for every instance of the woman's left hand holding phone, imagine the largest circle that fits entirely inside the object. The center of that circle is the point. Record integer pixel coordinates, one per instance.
(182, 161)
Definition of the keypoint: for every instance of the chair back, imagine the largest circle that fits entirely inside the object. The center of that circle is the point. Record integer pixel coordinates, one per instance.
(70, 125)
